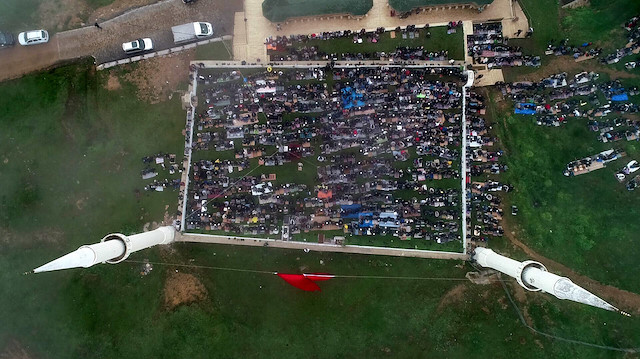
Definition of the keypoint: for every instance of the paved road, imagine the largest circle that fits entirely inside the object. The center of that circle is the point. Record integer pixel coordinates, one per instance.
(154, 21)
(257, 242)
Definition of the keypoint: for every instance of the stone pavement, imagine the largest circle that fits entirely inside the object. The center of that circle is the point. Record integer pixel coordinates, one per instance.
(258, 28)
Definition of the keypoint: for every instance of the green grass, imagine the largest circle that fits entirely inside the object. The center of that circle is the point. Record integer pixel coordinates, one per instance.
(221, 50)
(407, 5)
(588, 222)
(438, 41)
(281, 10)
(601, 22)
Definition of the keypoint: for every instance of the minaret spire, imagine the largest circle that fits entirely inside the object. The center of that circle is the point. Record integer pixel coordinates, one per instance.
(533, 276)
(114, 248)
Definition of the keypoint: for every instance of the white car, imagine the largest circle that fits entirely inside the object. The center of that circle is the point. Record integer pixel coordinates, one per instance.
(628, 169)
(631, 167)
(138, 45)
(33, 37)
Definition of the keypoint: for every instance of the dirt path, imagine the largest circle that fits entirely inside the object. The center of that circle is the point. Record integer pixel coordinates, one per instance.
(154, 21)
(622, 299)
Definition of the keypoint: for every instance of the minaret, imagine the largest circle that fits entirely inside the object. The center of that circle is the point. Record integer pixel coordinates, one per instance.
(112, 249)
(533, 276)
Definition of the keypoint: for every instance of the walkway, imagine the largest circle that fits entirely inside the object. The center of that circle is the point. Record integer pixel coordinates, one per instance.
(249, 40)
(258, 242)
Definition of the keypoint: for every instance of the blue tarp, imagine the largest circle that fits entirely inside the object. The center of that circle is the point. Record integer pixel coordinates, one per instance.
(621, 97)
(367, 223)
(350, 211)
(524, 108)
(524, 112)
(351, 98)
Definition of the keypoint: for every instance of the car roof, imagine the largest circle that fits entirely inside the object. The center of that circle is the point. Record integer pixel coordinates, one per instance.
(35, 34)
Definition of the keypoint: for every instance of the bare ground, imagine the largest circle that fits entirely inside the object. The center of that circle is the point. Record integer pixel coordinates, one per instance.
(113, 83)
(62, 14)
(14, 350)
(118, 7)
(157, 78)
(181, 289)
(455, 295)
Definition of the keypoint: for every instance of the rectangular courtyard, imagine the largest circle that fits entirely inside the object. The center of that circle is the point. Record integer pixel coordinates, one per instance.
(351, 155)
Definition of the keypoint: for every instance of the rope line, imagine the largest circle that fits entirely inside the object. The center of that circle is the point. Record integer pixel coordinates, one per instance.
(333, 276)
(551, 336)
(502, 281)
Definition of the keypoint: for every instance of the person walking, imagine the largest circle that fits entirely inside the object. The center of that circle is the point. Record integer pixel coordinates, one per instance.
(98, 26)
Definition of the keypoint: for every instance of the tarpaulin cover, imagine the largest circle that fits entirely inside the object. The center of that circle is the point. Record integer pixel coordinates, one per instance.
(621, 97)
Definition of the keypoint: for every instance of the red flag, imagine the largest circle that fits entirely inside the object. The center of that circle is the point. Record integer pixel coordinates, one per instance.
(300, 281)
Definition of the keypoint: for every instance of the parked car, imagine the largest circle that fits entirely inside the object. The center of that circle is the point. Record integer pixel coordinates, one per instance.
(33, 37)
(138, 45)
(6, 40)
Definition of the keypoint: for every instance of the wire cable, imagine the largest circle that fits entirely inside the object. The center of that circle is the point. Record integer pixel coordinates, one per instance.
(573, 341)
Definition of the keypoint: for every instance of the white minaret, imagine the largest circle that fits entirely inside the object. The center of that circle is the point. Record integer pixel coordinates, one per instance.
(533, 276)
(113, 248)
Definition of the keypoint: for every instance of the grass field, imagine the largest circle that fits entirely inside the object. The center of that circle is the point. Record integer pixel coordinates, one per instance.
(54, 199)
(407, 5)
(281, 10)
(439, 41)
(220, 50)
(586, 222)
(600, 23)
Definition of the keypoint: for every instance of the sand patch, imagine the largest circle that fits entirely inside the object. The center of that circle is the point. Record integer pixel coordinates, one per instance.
(452, 296)
(80, 203)
(14, 350)
(113, 83)
(181, 289)
(157, 78)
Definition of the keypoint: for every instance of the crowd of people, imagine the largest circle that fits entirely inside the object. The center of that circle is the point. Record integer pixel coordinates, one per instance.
(633, 42)
(298, 48)
(557, 98)
(356, 154)
(484, 160)
(488, 46)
